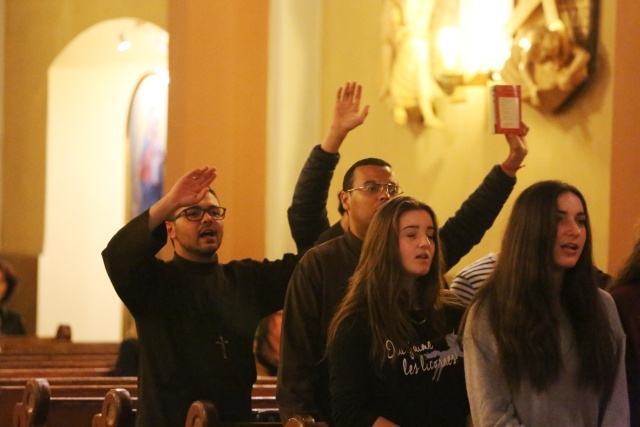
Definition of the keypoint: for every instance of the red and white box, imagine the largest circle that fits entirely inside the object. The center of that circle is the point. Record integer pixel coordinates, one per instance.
(506, 109)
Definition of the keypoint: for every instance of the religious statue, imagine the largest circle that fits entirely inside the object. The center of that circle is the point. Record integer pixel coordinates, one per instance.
(408, 81)
(551, 66)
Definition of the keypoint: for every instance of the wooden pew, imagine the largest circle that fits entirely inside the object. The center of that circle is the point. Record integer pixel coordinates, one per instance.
(47, 357)
(12, 392)
(263, 396)
(204, 414)
(266, 379)
(21, 381)
(90, 382)
(300, 421)
(263, 399)
(55, 372)
(39, 408)
(18, 351)
(36, 345)
(32, 357)
(117, 410)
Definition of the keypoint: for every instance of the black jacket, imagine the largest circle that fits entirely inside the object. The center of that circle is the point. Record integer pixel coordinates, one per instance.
(319, 282)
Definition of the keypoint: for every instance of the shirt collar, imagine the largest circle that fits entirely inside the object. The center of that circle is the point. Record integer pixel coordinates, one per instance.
(198, 267)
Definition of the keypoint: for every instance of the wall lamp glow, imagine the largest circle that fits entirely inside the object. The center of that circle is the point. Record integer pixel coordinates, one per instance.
(124, 43)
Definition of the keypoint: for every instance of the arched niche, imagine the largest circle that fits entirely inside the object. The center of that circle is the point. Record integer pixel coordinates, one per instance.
(90, 88)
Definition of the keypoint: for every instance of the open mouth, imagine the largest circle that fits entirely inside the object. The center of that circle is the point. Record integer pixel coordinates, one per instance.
(208, 233)
(570, 246)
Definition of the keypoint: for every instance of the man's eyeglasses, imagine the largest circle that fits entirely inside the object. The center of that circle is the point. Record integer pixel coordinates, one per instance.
(196, 213)
(374, 188)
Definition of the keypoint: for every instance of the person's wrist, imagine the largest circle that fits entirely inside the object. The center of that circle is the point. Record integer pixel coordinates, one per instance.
(511, 168)
(333, 141)
(338, 132)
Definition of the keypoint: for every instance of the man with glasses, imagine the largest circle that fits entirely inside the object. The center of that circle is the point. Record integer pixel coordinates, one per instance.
(321, 278)
(196, 318)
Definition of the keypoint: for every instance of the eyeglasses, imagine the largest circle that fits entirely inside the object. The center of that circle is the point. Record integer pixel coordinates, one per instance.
(196, 213)
(374, 188)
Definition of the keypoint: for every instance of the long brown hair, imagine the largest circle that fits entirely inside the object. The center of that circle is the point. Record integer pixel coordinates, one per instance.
(375, 289)
(519, 298)
(630, 271)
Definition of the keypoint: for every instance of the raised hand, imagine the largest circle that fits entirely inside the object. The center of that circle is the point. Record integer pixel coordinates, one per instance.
(518, 150)
(346, 116)
(189, 190)
(192, 187)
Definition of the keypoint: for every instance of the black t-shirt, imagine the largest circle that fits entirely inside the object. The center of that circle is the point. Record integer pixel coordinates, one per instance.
(424, 387)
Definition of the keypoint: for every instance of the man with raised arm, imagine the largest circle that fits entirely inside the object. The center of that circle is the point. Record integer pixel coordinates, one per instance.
(320, 280)
(196, 318)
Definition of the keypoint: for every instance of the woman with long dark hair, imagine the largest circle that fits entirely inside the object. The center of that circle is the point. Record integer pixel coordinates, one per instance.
(392, 347)
(625, 291)
(543, 345)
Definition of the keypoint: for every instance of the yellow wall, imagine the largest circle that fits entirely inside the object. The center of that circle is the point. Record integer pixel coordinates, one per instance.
(36, 31)
(217, 116)
(441, 167)
(217, 109)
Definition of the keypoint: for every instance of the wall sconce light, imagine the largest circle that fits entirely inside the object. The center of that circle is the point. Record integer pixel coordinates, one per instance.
(470, 44)
(448, 43)
(124, 43)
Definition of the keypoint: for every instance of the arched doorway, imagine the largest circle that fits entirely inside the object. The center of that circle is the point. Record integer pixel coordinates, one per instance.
(90, 88)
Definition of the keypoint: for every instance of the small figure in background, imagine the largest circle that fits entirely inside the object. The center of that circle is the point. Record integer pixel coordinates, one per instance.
(267, 344)
(10, 321)
(128, 354)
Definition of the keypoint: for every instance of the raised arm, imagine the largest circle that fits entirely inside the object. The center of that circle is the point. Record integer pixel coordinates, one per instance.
(308, 211)
(466, 228)
(518, 150)
(346, 116)
(129, 257)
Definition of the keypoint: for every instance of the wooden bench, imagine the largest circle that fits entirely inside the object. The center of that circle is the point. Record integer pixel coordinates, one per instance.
(80, 381)
(21, 381)
(78, 377)
(300, 421)
(55, 372)
(14, 349)
(116, 409)
(48, 357)
(30, 357)
(118, 412)
(38, 407)
(36, 345)
(12, 392)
